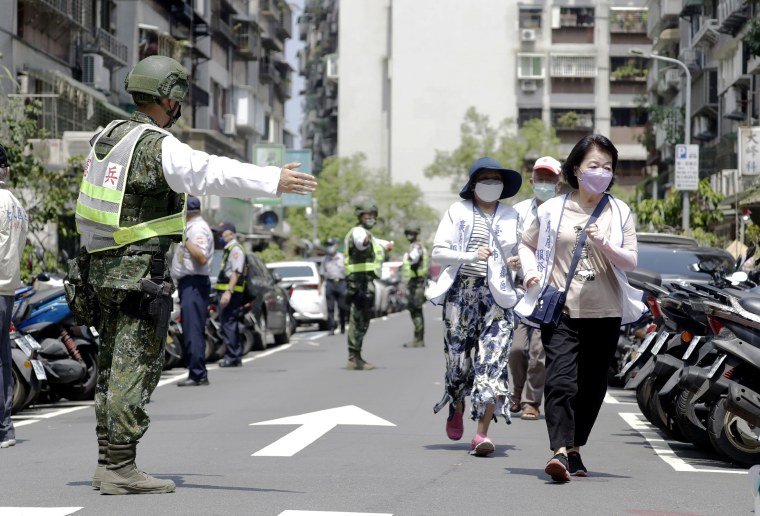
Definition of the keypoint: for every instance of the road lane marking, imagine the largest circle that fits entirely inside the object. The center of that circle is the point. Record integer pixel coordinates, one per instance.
(29, 419)
(608, 398)
(332, 513)
(38, 511)
(663, 450)
(314, 425)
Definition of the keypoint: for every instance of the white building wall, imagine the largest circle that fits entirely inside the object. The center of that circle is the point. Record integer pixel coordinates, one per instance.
(362, 50)
(445, 58)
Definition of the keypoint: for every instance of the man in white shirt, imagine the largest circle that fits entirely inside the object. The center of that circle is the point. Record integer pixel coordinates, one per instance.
(13, 227)
(190, 269)
(527, 360)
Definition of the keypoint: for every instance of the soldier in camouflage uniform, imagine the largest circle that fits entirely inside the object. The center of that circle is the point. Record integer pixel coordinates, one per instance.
(364, 261)
(130, 209)
(415, 271)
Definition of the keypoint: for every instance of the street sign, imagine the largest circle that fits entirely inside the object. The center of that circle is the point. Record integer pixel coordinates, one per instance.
(687, 167)
(313, 426)
(749, 151)
(302, 156)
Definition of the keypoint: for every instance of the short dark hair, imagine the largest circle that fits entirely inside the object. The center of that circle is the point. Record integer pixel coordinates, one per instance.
(579, 152)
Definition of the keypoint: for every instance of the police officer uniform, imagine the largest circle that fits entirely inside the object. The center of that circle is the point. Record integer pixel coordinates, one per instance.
(233, 261)
(333, 270)
(194, 289)
(130, 209)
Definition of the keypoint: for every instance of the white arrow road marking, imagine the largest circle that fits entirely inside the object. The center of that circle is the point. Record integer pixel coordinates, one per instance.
(326, 513)
(313, 426)
(38, 511)
(661, 448)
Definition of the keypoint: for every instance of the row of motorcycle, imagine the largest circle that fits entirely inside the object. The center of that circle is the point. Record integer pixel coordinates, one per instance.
(694, 362)
(52, 356)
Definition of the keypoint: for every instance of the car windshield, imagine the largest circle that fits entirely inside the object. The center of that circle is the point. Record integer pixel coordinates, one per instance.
(680, 262)
(293, 271)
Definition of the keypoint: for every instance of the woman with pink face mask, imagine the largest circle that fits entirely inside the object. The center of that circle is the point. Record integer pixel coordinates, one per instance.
(598, 300)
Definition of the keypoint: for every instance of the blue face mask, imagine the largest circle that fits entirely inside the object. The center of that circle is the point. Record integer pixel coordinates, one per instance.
(544, 191)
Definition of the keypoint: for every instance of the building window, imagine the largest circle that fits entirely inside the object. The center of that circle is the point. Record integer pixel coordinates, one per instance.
(530, 66)
(573, 65)
(530, 17)
(524, 115)
(628, 117)
(576, 17)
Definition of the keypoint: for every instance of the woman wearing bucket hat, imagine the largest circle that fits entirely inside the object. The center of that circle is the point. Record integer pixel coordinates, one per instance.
(477, 293)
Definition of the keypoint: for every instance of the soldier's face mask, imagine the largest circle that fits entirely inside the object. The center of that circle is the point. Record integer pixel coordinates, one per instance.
(368, 223)
(411, 237)
(331, 249)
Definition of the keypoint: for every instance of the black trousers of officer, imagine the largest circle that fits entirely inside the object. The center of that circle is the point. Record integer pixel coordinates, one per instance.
(335, 293)
(229, 316)
(194, 292)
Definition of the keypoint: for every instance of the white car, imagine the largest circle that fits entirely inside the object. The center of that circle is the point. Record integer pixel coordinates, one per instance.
(301, 280)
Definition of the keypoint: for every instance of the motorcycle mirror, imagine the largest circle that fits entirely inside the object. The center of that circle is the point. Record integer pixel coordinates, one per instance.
(276, 277)
(738, 277)
(43, 276)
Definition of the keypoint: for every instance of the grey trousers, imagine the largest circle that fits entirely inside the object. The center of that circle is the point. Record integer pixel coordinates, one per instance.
(527, 365)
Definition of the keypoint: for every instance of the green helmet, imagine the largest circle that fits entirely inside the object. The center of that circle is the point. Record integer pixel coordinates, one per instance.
(157, 77)
(366, 207)
(412, 227)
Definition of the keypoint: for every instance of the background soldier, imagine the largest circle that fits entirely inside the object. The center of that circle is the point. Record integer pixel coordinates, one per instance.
(415, 270)
(364, 262)
(130, 209)
(13, 228)
(190, 268)
(332, 271)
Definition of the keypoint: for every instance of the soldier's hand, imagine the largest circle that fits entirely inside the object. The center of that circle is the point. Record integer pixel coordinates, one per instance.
(225, 299)
(295, 182)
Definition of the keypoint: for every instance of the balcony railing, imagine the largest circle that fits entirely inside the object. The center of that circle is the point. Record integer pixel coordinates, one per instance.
(267, 71)
(248, 39)
(732, 14)
(693, 58)
(223, 29)
(628, 20)
(663, 14)
(564, 65)
(74, 12)
(707, 35)
(105, 44)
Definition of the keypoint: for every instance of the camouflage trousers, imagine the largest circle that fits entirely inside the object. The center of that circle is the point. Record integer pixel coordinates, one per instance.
(360, 313)
(415, 302)
(130, 361)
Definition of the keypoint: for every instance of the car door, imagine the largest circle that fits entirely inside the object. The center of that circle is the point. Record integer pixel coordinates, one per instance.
(273, 298)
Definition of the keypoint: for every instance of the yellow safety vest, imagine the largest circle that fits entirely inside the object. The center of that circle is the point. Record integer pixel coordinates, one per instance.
(222, 282)
(375, 265)
(422, 270)
(101, 194)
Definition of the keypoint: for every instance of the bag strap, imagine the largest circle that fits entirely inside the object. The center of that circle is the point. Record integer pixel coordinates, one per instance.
(489, 224)
(582, 240)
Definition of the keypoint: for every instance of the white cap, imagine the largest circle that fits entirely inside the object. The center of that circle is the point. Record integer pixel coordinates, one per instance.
(548, 163)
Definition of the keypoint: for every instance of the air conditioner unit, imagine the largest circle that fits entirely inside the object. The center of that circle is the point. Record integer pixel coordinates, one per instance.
(673, 78)
(331, 67)
(229, 124)
(528, 35)
(528, 85)
(94, 74)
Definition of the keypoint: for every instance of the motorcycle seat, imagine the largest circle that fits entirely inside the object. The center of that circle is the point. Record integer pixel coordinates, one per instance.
(751, 304)
(40, 298)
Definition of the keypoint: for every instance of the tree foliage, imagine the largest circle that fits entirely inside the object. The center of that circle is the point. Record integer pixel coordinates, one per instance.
(509, 144)
(665, 215)
(344, 182)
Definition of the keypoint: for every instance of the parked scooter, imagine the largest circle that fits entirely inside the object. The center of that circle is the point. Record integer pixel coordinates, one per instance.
(26, 369)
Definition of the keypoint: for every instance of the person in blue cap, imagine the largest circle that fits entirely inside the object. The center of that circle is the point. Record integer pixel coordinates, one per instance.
(476, 243)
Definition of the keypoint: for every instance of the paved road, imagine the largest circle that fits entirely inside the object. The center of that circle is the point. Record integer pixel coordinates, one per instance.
(388, 454)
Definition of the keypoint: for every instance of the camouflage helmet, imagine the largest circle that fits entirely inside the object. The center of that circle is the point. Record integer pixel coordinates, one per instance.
(157, 77)
(412, 227)
(366, 207)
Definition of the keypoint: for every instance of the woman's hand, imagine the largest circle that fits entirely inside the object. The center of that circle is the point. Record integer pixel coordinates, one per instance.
(531, 281)
(484, 253)
(514, 263)
(595, 236)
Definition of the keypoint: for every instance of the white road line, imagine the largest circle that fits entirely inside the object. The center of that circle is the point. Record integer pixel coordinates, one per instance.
(40, 417)
(661, 448)
(318, 336)
(608, 398)
(331, 513)
(38, 511)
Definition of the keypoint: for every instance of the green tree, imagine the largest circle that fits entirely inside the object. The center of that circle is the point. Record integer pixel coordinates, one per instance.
(509, 144)
(665, 215)
(344, 182)
(48, 196)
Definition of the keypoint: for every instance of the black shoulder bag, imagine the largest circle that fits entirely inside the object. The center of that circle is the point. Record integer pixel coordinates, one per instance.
(551, 301)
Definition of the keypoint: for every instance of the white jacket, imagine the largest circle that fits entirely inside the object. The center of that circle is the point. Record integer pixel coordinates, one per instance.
(13, 228)
(450, 249)
(550, 216)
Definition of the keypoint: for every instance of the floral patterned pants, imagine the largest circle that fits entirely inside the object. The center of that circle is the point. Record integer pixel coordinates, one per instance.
(476, 345)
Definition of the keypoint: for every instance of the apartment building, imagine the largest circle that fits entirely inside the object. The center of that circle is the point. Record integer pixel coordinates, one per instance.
(707, 36)
(410, 70)
(73, 56)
